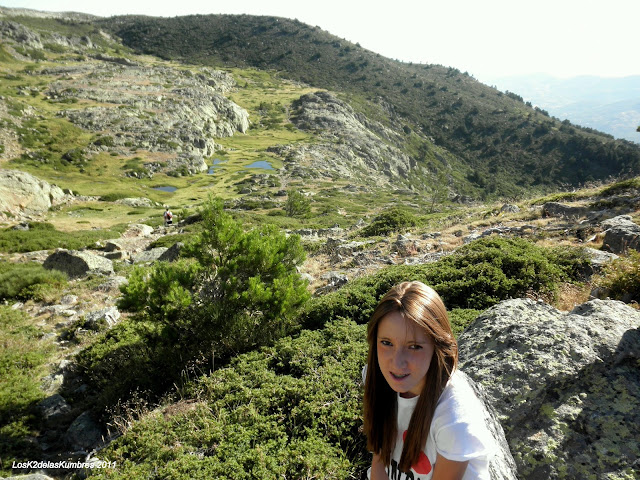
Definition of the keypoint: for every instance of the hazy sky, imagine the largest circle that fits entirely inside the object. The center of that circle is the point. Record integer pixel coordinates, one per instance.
(487, 38)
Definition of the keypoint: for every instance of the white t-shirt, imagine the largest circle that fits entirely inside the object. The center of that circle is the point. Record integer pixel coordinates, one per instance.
(458, 432)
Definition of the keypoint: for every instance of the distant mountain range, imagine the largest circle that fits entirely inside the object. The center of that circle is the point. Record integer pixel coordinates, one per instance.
(611, 105)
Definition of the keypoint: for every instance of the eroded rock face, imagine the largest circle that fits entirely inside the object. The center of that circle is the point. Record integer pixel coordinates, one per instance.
(354, 147)
(565, 385)
(21, 192)
(158, 109)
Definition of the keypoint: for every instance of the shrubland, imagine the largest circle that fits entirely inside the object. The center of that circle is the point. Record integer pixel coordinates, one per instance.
(233, 291)
(23, 362)
(23, 281)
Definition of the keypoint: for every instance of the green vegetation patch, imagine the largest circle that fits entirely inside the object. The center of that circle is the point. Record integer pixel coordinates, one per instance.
(29, 280)
(632, 184)
(393, 220)
(44, 236)
(621, 278)
(476, 277)
(234, 291)
(23, 359)
(292, 410)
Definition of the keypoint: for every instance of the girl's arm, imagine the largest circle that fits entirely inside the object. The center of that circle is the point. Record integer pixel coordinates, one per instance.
(378, 471)
(445, 469)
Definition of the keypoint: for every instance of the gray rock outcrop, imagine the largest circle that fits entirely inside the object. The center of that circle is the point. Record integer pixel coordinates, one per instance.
(621, 234)
(84, 433)
(555, 209)
(353, 147)
(107, 316)
(502, 466)
(565, 385)
(78, 263)
(158, 109)
(21, 192)
(173, 253)
(148, 256)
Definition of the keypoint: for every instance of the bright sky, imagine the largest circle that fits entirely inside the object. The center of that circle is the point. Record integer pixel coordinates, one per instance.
(487, 38)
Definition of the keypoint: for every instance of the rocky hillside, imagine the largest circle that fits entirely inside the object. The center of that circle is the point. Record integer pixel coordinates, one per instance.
(504, 144)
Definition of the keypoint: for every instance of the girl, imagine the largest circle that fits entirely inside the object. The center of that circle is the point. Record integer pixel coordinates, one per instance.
(421, 417)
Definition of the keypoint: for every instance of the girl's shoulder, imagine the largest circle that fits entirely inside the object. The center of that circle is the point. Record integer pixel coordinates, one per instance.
(459, 397)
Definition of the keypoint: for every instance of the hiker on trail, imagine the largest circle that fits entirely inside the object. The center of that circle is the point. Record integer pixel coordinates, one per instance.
(168, 217)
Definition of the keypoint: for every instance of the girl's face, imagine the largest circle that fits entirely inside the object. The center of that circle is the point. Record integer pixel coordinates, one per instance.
(404, 354)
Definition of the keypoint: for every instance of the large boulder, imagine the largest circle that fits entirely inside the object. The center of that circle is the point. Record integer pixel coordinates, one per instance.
(555, 209)
(84, 433)
(565, 385)
(620, 234)
(21, 192)
(78, 263)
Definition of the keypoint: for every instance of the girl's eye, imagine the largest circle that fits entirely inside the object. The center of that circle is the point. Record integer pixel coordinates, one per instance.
(385, 342)
(415, 347)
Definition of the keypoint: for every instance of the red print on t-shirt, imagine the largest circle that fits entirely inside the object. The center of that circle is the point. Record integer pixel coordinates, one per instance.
(423, 465)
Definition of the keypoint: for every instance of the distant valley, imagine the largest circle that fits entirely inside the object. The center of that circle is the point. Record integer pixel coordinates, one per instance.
(611, 105)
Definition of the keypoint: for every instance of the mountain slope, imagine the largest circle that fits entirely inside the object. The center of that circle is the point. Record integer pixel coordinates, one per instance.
(506, 145)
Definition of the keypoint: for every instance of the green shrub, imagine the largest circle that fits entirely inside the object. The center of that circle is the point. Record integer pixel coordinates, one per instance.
(106, 141)
(29, 280)
(621, 278)
(112, 197)
(23, 359)
(476, 277)
(292, 410)
(125, 359)
(43, 236)
(297, 205)
(618, 188)
(234, 291)
(392, 220)
(164, 290)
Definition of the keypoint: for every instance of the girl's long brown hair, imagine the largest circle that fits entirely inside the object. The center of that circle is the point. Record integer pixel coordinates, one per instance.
(420, 304)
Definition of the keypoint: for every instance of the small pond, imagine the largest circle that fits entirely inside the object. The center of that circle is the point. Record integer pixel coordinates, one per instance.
(261, 164)
(216, 162)
(166, 189)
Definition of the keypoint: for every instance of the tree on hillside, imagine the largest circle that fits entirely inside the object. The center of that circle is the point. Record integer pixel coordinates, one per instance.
(297, 204)
(234, 290)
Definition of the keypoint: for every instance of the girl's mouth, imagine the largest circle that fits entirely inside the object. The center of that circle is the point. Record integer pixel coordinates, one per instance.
(399, 377)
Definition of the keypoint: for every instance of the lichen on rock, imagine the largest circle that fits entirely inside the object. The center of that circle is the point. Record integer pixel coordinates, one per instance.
(566, 385)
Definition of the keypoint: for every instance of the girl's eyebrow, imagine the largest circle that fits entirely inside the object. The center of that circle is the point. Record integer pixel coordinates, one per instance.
(411, 342)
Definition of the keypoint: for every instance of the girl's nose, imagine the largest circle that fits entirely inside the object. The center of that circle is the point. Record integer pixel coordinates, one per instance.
(400, 359)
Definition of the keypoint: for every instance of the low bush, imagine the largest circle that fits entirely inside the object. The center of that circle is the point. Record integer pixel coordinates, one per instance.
(476, 277)
(234, 291)
(621, 278)
(23, 359)
(292, 410)
(29, 280)
(43, 236)
(393, 220)
(297, 205)
(112, 197)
